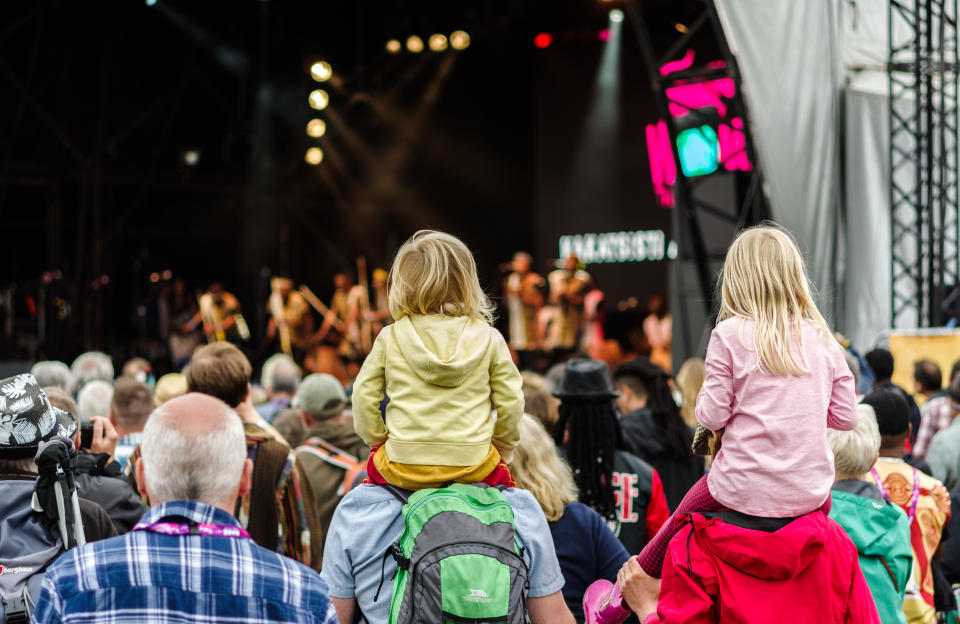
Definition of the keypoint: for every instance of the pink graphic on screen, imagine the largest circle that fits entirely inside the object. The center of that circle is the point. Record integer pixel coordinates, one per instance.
(684, 98)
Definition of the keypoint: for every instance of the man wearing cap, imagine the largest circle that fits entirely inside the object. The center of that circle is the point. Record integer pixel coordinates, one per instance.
(332, 448)
(28, 539)
(944, 453)
(923, 498)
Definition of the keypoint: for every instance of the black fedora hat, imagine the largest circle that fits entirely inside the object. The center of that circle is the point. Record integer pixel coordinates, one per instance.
(585, 380)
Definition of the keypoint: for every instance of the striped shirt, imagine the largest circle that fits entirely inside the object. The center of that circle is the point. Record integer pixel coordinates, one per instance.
(145, 576)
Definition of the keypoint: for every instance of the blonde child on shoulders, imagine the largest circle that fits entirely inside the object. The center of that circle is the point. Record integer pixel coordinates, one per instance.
(442, 365)
(776, 379)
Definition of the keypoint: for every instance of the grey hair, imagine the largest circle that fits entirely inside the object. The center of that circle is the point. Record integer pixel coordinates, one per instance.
(94, 400)
(854, 452)
(91, 366)
(53, 373)
(280, 374)
(201, 468)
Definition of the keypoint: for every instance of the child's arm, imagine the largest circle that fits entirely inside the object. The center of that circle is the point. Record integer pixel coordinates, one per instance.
(842, 410)
(506, 389)
(715, 401)
(368, 393)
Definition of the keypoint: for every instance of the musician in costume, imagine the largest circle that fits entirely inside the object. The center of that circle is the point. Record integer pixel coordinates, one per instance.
(379, 309)
(220, 316)
(564, 323)
(290, 318)
(523, 292)
(345, 309)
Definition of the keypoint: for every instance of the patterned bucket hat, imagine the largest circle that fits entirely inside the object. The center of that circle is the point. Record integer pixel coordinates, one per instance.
(27, 418)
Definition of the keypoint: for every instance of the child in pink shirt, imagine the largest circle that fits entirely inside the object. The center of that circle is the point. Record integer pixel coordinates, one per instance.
(775, 381)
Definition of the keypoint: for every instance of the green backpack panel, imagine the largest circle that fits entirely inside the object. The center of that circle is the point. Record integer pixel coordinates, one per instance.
(458, 559)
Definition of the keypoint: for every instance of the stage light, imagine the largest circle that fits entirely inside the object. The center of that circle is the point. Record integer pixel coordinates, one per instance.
(319, 99)
(321, 71)
(151, 2)
(459, 40)
(543, 40)
(414, 44)
(394, 46)
(616, 15)
(604, 35)
(191, 157)
(316, 128)
(680, 28)
(314, 156)
(438, 42)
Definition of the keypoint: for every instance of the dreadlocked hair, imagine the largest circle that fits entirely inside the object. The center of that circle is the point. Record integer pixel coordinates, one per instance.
(666, 413)
(594, 437)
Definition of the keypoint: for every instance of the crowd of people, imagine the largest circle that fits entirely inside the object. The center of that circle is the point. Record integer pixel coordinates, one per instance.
(784, 477)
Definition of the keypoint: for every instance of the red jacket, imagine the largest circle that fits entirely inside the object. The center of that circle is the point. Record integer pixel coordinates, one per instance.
(807, 571)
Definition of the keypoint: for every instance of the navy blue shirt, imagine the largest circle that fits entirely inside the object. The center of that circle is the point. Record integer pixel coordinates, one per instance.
(587, 550)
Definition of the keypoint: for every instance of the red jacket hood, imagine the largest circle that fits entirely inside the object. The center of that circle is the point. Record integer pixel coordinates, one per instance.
(775, 556)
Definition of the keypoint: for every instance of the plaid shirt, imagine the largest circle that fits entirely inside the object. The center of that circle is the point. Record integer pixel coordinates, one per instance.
(299, 535)
(935, 415)
(150, 577)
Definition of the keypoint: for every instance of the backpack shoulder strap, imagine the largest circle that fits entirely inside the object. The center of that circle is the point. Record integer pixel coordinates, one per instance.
(398, 493)
(329, 453)
(271, 457)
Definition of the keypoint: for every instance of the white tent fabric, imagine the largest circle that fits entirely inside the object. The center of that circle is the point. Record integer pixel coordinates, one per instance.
(814, 72)
(789, 57)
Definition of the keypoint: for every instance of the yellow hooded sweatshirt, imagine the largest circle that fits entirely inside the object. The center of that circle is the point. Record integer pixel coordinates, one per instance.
(441, 373)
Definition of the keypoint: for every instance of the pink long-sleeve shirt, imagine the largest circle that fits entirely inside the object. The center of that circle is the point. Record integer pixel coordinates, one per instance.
(774, 460)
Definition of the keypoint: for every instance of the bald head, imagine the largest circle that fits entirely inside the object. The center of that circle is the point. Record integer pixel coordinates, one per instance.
(194, 449)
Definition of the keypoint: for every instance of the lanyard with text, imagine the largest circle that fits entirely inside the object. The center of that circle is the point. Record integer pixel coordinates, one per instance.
(193, 528)
(913, 498)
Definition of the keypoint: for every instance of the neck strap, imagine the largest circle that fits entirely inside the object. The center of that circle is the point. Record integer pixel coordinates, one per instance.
(163, 527)
(912, 511)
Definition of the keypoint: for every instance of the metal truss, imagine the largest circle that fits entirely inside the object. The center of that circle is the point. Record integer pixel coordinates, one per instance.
(925, 239)
(750, 202)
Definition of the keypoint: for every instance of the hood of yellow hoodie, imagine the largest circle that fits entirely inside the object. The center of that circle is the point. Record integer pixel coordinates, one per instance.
(442, 350)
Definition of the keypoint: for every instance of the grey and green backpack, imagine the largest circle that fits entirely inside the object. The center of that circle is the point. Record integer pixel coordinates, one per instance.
(458, 558)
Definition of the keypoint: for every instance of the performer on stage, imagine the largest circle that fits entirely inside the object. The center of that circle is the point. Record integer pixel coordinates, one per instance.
(345, 308)
(658, 328)
(290, 317)
(220, 315)
(523, 292)
(379, 308)
(564, 320)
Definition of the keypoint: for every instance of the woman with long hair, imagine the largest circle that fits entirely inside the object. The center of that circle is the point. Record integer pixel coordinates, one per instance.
(621, 487)
(586, 547)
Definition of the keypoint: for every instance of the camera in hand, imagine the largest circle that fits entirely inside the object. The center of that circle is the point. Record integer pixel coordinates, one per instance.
(86, 435)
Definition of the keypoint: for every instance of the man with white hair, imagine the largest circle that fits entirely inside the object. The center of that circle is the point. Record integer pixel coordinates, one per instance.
(94, 400)
(188, 559)
(280, 378)
(53, 373)
(879, 529)
(91, 366)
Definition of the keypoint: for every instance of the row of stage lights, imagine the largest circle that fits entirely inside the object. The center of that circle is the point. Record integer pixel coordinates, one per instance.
(437, 42)
(319, 99)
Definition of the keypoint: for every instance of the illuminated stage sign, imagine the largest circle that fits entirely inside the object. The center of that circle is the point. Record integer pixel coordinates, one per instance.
(613, 247)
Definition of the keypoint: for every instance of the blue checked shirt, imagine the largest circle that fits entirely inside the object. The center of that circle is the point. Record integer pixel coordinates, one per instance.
(148, 577)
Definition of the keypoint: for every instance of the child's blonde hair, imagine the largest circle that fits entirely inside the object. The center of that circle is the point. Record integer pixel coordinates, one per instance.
(538, 467)
(764, 278)
(434, 273)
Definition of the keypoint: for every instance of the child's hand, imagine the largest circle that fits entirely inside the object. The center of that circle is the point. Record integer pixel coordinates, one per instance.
(639, 590)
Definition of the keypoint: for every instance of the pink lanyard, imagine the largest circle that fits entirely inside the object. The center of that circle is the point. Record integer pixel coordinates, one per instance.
(913, 499)
(210, 530)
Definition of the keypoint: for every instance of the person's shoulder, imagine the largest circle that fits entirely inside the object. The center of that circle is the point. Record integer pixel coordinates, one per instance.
(312, 592)
(624, 461)
(731, 326)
